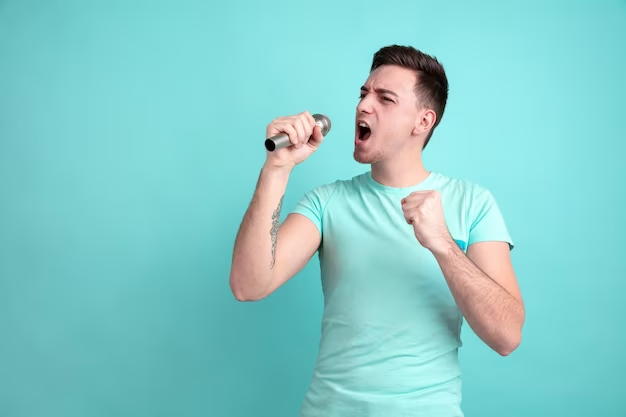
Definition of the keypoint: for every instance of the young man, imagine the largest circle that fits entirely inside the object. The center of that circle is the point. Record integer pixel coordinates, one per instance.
(405, 253)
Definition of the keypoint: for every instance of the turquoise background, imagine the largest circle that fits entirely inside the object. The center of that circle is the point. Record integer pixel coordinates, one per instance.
(131, 137)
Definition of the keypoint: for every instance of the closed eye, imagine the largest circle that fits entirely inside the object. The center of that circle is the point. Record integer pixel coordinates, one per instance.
(361, 96)
(384, 93)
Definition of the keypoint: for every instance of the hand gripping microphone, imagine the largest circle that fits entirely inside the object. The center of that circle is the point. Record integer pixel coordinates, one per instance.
(282, 141)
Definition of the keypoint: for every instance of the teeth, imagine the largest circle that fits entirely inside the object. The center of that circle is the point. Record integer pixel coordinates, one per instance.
(363, 125)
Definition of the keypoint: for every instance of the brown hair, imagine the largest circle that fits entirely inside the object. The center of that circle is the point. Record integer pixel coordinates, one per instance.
(431, 87)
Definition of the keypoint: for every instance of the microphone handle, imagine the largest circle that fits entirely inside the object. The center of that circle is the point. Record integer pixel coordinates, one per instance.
(277, 142)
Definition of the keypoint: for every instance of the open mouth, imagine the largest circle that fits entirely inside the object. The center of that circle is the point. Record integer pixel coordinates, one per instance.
(364, 131)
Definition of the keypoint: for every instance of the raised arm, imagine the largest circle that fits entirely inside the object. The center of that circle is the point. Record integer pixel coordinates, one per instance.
(267, 253)
(482, 282)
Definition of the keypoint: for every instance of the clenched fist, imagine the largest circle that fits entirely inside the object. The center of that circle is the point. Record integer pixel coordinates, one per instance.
(423, 210)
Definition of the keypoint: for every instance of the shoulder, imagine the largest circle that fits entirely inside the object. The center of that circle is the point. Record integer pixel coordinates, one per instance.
(469, 190)
(471, 198)
(483, 218)
(482, 212)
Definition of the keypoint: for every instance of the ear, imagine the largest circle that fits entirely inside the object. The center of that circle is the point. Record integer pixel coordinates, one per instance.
(424, 122)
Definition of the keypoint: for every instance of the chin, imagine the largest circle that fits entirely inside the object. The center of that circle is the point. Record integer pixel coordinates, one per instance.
(359, 158)
(364, 157)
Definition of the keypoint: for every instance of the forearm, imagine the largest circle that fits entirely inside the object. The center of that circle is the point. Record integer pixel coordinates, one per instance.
(492, 312)
(254, 253)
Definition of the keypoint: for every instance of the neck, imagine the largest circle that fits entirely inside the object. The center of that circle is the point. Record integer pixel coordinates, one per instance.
(403, 171)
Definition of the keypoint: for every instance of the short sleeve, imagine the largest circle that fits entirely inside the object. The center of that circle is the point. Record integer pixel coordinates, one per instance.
(486, 220)
(313, 204)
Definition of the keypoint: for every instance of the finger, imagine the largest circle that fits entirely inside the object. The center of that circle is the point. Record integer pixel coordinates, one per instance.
(309, 119)
(309, 125)
(414, 199)
(277, 125)
(289, 130)
(409, 203)
(271, 129)
(408, 216)
(412, 215)
(308, 129)
(300, 129)
(317, 137)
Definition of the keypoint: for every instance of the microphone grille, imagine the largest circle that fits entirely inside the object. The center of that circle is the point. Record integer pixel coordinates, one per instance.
(323, 122)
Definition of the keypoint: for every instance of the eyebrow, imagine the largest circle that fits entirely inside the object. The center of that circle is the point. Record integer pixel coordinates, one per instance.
(380, 90)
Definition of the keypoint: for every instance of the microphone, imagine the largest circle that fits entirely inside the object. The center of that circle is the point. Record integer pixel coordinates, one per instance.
(282, 141)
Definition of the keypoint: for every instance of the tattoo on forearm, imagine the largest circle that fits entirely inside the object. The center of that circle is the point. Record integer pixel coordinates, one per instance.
(274, 230)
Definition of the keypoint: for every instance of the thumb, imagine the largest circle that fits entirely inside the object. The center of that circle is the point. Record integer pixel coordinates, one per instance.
(317, 137)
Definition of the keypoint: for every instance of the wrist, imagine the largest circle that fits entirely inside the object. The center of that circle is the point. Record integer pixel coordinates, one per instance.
(277, 170)
(443, 246)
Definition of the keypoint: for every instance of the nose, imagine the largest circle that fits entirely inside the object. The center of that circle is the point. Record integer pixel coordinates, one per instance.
(365, 104)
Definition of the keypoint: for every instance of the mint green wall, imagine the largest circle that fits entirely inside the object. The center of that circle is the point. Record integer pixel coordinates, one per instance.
(131, 136)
